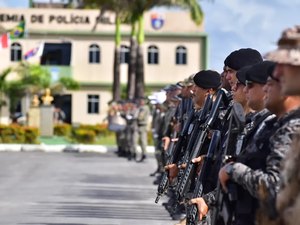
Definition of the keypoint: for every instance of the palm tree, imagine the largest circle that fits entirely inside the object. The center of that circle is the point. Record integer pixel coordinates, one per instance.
(138, 7)
(119, 7)
(134, 10)
(132, 61)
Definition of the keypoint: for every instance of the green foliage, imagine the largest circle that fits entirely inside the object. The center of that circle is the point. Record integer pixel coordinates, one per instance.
(17, 134)
(15, 90)
(69, 83)
(85, 136)
(94, 128)
(103, 131)
(3, 76)
(90, 133)
(34, 77)
(31, 135)
(63, 129)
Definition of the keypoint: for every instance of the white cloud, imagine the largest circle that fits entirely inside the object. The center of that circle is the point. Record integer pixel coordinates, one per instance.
(234, 24)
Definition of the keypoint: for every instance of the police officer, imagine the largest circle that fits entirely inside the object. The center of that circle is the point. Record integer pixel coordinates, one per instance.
(287, 111)
(167, 122)
(205, 82)
(238, 59)
(245, 171)
(158, 115)
(287, 71)
(142, 122)
(130, 114)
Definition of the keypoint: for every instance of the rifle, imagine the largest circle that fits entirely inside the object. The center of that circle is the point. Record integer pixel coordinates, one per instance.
(173, 157)
(225, 202)
(197, 148)
(192, 211)
(194, 133)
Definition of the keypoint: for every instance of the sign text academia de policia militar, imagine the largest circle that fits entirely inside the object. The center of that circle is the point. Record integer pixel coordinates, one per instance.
(60, 19)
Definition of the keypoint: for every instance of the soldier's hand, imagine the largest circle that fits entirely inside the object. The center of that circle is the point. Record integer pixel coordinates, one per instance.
(201, 206)
(199, 162)
(182, 166)
(173, 171)
(166, 141)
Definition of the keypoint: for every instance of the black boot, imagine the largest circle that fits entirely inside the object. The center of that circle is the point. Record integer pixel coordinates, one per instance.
(155, 172)
(142, 158)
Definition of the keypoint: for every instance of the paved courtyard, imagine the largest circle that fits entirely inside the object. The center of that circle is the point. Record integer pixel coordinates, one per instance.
(77, 189)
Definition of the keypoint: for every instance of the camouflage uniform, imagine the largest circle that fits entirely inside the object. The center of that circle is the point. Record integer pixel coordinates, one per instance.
(131, 127)
(280, 143)
(157, 131)
(287, 55)
(249, 168)
(141, 134)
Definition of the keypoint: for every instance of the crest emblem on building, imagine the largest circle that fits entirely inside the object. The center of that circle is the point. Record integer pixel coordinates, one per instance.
(157, 21)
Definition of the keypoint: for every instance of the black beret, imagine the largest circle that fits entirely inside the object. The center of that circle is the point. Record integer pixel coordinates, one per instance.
(271, 71)
(242, 57)
(241, 74)
(207, 79)
(259, 72)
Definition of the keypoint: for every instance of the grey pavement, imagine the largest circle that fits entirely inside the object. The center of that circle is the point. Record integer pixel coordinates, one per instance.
(77, 188)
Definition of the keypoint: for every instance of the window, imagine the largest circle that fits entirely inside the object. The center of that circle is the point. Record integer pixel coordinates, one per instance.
(94, 54)
(124, 56)
(152, 55)
(57, 54)
(181, 55)
(15, 52)
(93, 104)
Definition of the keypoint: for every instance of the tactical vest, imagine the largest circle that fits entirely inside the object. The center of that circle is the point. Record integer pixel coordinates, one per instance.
(246, 204)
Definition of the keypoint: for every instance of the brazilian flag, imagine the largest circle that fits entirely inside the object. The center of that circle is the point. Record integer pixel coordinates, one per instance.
(18, 31)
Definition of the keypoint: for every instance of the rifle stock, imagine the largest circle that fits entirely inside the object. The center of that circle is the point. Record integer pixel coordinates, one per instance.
(197, 150)
(192, 211)
(173, 156)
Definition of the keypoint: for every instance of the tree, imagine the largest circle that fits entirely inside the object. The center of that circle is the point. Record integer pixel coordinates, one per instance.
(132, 11)
(3, 76)
(119, 8)
(137, 9)
(131, 78)
(33, 79)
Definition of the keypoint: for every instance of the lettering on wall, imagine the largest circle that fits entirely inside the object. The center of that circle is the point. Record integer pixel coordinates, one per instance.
(55, 19)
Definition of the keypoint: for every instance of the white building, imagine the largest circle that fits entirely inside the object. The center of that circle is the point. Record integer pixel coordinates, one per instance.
(174, 48)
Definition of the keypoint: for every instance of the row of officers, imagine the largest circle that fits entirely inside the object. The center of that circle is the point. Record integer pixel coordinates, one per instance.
(228, 145)
(129, 120)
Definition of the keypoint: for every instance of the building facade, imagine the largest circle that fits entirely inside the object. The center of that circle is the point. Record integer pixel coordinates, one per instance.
(79, 44)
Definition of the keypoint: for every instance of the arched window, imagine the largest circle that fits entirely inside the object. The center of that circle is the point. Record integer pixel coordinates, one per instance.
(94, 54)
(124, 54)
(15, 52)
(181, 55)
(153, 54)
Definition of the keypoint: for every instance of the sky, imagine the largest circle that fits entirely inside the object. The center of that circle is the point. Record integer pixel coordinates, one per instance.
(234, 24)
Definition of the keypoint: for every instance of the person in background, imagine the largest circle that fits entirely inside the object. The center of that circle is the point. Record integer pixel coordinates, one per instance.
(237, 60)
(59, 116)
(287, 71)
(248, 169)
(142, 122)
